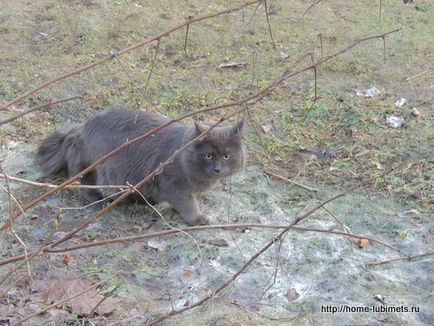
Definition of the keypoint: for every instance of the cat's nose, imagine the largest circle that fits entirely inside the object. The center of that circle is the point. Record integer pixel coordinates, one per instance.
(217, 170)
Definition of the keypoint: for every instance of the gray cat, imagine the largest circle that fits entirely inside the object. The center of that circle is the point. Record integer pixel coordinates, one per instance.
(196, 170)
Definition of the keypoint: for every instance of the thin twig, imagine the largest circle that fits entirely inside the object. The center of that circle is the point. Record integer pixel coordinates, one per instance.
(268, 23)
(186, 40)
(68, 21)
(53, 230)
(105, 297)
(310, 7)
(255, 129)
(416, 76)
(291, 181)
(346, 228)
(11, 198)
(167, 224)
(137, 87)
(409, 258)
(44, 106)
(71, 186)
(320, 43)
(254, 13)
(152, 64)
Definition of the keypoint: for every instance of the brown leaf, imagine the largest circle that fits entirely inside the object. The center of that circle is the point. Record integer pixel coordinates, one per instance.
(61, 285)
(67, 259)
(186, 274)
(363, 243)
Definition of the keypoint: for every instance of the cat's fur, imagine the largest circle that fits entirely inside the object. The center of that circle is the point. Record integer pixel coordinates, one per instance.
(194, 171)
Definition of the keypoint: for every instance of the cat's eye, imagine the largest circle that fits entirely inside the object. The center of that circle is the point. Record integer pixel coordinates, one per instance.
(208, 156)
(226, 157)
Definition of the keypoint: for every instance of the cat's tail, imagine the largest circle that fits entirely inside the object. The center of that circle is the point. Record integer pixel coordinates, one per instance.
(52, 153)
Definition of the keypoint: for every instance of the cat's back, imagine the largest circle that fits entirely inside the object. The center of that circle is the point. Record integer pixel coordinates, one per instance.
(122, 120)
(112, 128)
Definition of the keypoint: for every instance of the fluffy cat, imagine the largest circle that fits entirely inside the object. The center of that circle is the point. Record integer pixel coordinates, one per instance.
(196, 170)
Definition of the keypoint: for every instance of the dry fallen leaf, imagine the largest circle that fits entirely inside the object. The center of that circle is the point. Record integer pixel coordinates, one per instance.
(186, 274)
(67, 259)
(363, 243)
(61, 285)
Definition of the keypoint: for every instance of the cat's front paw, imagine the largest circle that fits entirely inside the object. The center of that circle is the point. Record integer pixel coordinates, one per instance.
(196, 220)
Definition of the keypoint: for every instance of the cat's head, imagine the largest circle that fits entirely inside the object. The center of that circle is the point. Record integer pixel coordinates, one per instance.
(219, 154)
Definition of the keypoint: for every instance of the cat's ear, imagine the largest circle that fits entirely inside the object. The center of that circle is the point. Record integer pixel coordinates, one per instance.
(199, 128)
(237, 129)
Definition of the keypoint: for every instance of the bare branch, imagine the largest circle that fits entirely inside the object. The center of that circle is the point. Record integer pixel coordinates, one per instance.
(310, 7)
(44, 106)
(71, 186)
(268, 23)
(153, 64)
(409, 258)
(291, 181)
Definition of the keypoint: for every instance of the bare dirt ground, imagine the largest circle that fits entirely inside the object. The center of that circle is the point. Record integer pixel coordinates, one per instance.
(330, 143)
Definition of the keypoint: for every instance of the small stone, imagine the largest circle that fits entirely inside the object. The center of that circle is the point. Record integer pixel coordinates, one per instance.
(394, 121)
(415, 112)
(400, 102)
(292, 294)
